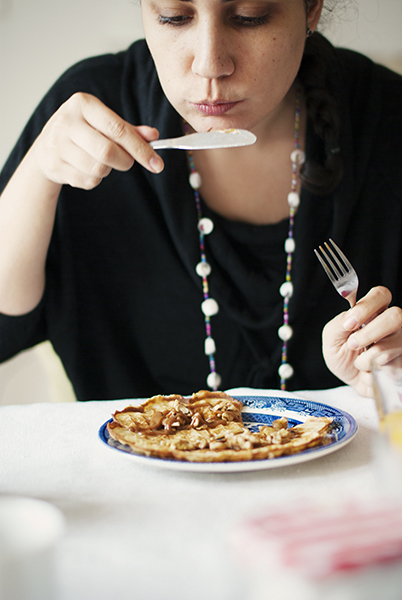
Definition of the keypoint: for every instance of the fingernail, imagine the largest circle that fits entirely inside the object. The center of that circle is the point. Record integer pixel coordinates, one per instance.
(156, 164)
(350, 323)
(352, 344)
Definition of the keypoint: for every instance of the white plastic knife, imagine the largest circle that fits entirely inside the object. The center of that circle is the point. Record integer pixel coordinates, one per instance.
(220, 138)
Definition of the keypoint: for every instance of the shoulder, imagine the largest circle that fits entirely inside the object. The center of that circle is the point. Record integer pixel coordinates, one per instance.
(116, 79)
(127, 82)
(106, 76)
(373, 95)
(367, 82)
(136, 56)
(123, 81)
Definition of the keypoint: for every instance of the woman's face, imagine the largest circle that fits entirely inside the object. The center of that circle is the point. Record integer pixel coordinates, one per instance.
(227, 63)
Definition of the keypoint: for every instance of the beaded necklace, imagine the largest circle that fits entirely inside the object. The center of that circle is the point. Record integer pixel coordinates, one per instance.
(210, 306)
(285, 332)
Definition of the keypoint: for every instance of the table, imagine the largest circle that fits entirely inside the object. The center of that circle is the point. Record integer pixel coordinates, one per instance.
(136, 532)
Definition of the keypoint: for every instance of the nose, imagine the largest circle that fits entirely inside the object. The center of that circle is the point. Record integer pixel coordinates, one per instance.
(212, 57)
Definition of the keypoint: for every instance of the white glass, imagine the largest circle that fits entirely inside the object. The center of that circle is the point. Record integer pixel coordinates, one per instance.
(29, 532)
(387, 382)
(387, 445)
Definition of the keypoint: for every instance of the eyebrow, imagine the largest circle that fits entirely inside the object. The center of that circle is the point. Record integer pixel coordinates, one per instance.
(222, 1)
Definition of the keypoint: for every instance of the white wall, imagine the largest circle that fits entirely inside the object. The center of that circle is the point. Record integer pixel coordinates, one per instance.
(39, 39)
(372, 27)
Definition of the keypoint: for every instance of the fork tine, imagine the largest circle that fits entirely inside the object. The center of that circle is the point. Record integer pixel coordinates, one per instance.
(324, 265)
(346, 262)
(339, 268)
(332, 264)
(335, 263)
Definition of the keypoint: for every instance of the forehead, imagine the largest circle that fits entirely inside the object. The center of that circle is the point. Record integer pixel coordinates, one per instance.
(288, 4)
(217, 2)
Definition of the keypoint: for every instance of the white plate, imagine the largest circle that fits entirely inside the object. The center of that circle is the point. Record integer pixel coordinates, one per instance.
(259, 410)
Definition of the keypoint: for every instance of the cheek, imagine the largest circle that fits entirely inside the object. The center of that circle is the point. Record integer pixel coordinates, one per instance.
(171, 77)
(168, 59)
(280, 60)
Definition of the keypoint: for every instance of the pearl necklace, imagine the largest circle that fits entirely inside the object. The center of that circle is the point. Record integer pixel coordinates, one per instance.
(210, 306)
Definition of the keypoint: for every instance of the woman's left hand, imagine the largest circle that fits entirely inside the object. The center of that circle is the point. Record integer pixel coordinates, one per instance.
(353, 338)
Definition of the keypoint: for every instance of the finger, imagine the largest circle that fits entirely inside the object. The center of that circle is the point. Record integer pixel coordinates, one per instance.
(84, 162)
(76, 167)
(73, 166)
(365, 384)
(82, 171)
(385, 351)
(382, 356)
(91, 150)
(383, 325)
(364, 359)
(334, 331)
(119, 131)
(373, 303)
(70, 175)
(338, 357)
(148, 133)
(103, 154)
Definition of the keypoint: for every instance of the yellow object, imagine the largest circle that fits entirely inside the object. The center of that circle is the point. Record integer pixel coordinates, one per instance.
(391, 425)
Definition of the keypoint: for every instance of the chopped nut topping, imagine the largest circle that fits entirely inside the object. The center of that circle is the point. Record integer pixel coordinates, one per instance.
(208, 426)
(215, 445)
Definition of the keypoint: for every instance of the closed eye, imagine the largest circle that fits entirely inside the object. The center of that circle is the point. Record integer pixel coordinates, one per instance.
(175, 21)
(238, 20)
(251, 21)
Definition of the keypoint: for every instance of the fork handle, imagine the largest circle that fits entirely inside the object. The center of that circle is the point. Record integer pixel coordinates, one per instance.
(351, 298)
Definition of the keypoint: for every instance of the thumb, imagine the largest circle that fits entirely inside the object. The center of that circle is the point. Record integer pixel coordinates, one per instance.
(334, 332)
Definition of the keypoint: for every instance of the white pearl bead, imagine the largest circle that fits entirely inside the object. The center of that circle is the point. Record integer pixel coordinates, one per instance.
(298, 156)
(293, 199)
(214, 380)
(195, 180)
(286, 289)
(210, 307)
(285, 332)
(290, 245)
(203, 269)
(285, 371)
(209, 346)
(205, 225)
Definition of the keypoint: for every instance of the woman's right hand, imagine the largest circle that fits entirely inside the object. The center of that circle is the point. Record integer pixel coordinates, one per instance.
(80, 144)
(84, 140)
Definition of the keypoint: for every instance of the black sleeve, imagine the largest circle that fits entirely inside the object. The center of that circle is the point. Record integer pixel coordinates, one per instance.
(100, 76)
(94, 75)
(21, 332)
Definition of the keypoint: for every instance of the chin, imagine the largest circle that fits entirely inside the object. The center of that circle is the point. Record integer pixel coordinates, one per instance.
(214, 123)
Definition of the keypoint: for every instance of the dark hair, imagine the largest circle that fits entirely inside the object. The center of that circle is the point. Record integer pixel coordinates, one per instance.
(324, 176)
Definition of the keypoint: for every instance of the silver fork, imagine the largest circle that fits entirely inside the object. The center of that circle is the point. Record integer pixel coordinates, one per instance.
(339, 270)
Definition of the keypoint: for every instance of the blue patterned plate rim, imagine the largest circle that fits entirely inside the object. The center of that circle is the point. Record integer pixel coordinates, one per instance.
(260, 410)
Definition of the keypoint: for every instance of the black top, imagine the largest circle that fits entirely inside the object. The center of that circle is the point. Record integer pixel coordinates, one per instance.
(122, 299)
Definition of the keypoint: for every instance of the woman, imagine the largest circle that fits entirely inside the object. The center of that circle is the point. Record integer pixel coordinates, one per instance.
(99, 234)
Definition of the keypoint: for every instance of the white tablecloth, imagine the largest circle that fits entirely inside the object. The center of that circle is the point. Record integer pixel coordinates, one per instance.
(135, 532)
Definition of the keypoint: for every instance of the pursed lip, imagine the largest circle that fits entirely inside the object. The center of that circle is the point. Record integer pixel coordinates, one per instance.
(216, 107)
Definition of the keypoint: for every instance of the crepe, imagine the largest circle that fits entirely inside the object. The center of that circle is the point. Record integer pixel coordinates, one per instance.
(208, 427)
